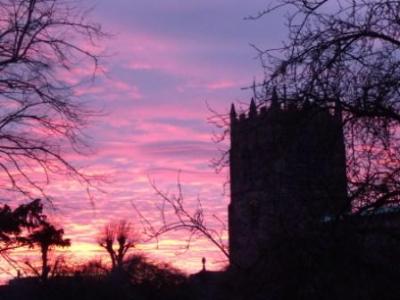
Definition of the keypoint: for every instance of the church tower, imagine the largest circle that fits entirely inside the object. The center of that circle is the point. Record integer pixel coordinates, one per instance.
(287, 172)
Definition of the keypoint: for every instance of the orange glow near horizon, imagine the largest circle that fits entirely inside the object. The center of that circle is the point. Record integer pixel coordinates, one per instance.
(162, 73)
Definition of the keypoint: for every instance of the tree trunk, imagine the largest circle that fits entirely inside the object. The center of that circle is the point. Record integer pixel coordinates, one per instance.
(45, 267)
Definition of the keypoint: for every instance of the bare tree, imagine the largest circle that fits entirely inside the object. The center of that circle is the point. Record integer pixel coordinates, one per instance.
(42, 42)
(117, 239)
(346, 54)
(343, 56)
(176, 216)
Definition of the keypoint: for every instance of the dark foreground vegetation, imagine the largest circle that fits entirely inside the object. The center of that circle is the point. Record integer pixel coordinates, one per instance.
(139, 279)
(307, 267)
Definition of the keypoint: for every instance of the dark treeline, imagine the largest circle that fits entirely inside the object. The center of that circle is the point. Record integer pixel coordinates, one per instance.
(139, 279)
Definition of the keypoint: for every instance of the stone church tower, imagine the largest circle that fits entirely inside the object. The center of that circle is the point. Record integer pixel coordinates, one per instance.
(287, 172)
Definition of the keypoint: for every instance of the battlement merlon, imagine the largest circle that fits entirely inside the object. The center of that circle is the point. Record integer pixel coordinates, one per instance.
(253, 109)
(276, 109)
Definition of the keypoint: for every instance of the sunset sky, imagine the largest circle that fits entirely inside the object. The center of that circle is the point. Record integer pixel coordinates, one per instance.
(166, 60)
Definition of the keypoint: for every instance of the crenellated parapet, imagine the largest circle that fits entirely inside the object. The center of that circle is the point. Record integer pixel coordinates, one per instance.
(279, 111)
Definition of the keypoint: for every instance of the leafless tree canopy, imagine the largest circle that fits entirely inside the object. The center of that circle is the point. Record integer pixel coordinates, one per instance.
(341, 55)
(117, 239)
(346, 53)
(42, 42)
(176, 215)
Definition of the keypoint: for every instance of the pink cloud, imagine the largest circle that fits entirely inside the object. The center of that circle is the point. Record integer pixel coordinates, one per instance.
(222, 84)
(150, 131)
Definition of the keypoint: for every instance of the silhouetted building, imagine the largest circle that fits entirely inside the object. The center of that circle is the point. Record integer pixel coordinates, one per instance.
(287, 171)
